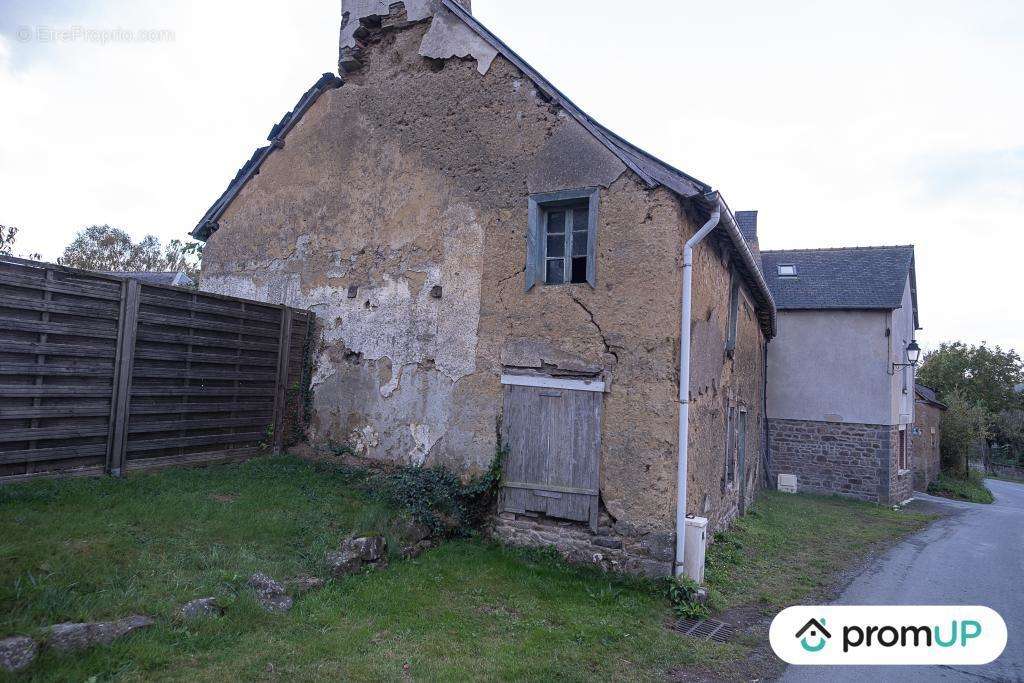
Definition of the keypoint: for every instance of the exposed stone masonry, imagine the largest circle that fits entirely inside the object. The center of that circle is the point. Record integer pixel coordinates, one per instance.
(617, 547)
(837, 458)
(925, 445)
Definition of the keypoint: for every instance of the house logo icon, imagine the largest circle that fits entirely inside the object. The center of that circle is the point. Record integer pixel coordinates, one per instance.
(815, 632)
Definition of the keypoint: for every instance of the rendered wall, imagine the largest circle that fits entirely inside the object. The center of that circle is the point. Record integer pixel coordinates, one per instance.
(830, 366)
(416, 174)
(902, 380)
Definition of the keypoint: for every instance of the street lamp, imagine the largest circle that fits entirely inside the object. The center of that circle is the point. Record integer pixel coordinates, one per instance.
(913, 356)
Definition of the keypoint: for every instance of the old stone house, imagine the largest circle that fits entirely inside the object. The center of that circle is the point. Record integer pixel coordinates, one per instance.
(924, 441)
(494, 270)
(840, 387)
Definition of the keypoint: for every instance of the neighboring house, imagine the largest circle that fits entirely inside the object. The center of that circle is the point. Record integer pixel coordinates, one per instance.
(839, 410)
(154, 277)
(924, 442)
(492, 269)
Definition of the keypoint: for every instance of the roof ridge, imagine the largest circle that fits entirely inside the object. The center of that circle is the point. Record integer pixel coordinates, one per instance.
(865, 247)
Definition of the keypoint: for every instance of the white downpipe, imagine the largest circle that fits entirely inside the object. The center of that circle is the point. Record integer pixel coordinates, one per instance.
(684, 381)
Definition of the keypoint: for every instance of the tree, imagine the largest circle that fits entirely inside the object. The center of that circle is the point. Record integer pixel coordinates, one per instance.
(1008, 429)
(104, 248)
(8, 235)
(962, 424)
(982, 374)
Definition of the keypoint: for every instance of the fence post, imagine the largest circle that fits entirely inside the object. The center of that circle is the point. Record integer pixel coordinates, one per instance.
(124, 360)
(281, 387)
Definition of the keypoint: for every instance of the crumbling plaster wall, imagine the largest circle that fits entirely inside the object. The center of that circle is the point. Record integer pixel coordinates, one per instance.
(415, 173)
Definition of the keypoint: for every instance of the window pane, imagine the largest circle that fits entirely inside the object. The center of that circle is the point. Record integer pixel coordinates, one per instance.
(579, 269)
(579, 218)
(579, 243)
(555, 272)
(556, 245)
(556, 222)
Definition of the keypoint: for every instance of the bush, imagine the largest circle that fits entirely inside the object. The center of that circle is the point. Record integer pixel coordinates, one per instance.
(972, 488)
(962, 424)
(437, 498)
(434, 496)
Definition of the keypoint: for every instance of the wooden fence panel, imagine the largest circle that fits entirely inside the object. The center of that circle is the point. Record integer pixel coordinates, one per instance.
(103, 373)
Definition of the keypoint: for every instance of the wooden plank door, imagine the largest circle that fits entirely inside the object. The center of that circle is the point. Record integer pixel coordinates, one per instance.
(554, 441)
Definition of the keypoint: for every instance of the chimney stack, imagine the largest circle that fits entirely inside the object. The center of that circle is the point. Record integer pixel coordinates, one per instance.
(358, 15)
(747, 223)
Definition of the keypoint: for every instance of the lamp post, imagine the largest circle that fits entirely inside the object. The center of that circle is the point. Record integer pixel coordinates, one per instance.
(913, 356)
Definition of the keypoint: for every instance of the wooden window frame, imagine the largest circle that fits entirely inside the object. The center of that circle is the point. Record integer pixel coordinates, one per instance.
(902, 450)
(731, 425)
(536, 236)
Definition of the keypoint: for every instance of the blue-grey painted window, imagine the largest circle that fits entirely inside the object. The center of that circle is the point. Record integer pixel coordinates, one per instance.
(561, 243)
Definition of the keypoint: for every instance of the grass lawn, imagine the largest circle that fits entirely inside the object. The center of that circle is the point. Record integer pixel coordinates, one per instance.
(78, 550)
(790, 548)
(971, 489)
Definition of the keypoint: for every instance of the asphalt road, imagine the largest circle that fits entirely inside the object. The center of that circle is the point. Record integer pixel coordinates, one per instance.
(975, 556)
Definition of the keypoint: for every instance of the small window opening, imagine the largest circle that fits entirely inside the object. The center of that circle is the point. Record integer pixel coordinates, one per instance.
(734, 314)
(729, 475)
(902, 454)
(566, 232)
(788, 270)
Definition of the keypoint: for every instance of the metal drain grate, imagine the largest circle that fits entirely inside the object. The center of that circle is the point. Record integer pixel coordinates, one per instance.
(704, 629)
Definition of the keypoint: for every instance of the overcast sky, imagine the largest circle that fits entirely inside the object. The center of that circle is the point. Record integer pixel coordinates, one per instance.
(874, 122)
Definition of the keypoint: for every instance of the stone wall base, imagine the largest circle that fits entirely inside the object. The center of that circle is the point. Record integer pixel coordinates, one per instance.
(614, 547)
(839, 458)
(1008, 471)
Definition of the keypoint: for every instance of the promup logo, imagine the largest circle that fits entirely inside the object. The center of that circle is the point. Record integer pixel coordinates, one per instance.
(888, 635)
(817, 630)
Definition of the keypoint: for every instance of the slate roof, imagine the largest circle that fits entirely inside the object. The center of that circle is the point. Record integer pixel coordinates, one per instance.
(154, 277)
(852, 278)
(928, 395)
(650, 169)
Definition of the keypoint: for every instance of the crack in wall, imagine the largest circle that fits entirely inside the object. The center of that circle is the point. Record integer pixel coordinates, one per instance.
(593, 321)
(501, 297)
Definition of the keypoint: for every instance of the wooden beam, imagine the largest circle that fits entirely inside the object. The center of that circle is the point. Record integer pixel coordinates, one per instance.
(281, 392)
(120, 402)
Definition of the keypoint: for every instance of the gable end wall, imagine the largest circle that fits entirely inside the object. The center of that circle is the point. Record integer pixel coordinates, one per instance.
(414, 175)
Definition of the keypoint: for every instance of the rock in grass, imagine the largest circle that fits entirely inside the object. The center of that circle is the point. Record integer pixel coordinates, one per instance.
(269, 593)
(200, 608)
(17, 652)
(356, 553)
(370, 548)
(412, 531)
(344, 562)
(412, 551)
(305, 583)
(70, 637)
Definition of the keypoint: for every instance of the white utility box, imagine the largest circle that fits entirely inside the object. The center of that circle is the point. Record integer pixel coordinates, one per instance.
(787, 483)
(696, 546)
